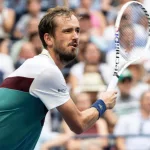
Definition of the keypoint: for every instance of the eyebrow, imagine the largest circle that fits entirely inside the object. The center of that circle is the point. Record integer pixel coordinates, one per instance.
(70, 28)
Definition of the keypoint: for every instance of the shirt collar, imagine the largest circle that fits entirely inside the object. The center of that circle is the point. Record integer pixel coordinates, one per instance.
(45, 52)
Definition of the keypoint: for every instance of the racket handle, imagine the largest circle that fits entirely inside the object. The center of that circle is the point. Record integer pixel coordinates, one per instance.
(113, 83)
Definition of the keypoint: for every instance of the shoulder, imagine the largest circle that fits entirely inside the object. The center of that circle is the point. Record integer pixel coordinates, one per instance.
(51, 72)
(47, 73)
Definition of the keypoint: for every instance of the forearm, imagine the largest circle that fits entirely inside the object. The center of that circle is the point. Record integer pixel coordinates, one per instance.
(89, 117)
(80, 121)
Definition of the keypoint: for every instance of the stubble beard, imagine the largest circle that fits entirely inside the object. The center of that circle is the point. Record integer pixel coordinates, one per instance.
(65, 57)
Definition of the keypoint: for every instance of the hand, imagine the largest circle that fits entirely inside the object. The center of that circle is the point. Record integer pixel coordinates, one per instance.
(109, 98)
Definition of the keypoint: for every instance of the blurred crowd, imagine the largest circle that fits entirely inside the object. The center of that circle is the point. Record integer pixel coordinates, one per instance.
(127, 126)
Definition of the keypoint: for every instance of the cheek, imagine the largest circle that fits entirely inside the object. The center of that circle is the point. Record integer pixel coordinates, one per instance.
(62, 40)
(62, 43)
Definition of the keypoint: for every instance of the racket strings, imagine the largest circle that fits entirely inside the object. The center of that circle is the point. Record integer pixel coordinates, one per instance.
(134, 31)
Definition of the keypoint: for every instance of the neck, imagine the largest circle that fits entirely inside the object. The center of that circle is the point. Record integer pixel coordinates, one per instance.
(56, 59)
(125, 96)
(34, 14)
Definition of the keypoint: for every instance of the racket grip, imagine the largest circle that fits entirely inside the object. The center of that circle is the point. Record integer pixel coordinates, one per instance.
(113, 83)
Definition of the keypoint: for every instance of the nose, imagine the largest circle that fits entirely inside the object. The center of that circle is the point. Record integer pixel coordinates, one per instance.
(75, 35)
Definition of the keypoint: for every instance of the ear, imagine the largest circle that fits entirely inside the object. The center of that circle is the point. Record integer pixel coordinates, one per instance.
(48, 39)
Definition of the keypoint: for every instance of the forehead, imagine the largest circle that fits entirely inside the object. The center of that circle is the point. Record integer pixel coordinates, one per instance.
(65, 21)
(92, 47)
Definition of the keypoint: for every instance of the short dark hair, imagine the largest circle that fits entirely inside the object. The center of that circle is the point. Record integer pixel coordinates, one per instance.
(48, 24)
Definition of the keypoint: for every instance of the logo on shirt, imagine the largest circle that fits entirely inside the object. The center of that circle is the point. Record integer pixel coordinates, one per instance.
(62, 90)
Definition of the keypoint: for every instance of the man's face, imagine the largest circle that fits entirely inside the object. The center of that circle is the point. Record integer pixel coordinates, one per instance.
(66, 38)
(127, 38)
(125, 86)
(92, 54)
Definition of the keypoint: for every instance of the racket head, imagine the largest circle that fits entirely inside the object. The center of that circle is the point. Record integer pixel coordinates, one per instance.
(130, 43)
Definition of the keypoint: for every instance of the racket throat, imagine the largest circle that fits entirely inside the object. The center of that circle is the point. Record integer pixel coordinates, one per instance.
(116, 74)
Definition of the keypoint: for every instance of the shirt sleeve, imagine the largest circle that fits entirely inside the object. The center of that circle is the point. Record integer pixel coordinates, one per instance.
(50, 87)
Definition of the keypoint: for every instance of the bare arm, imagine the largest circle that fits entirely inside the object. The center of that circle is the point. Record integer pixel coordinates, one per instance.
(76, 120)
(80, 121)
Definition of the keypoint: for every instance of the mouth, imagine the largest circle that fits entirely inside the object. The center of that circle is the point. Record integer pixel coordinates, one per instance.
(75, 45)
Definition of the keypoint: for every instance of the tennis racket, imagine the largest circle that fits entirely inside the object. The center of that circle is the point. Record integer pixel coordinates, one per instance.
(132, 37)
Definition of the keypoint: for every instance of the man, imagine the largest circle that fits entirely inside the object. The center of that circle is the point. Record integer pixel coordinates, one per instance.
(127, 103)
(39, 83)
(133, 131)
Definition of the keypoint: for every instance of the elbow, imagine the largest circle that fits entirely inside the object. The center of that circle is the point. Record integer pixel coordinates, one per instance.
(78, 129)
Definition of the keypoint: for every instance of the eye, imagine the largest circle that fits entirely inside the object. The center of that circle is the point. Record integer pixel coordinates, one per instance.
(68, 30)
(78, 30)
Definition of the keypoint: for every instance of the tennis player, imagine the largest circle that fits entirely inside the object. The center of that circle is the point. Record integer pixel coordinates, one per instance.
(38, 86)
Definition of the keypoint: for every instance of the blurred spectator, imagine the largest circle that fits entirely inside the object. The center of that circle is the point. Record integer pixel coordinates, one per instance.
(6, 63)
(35, 40)
(91, 83)
(6, 66)
(34, 11)
(95, 4)
(84, 40)
(19, 6)
(126, 102)
(4, 46)
(46, 4)
(146, 77)
(108, 6)
(138, 73)
(32, 27)
(95, 31)
(130, 129)
(7, 20)
(122, 2)
(27, 51)
(97, 19)
(84, 20)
